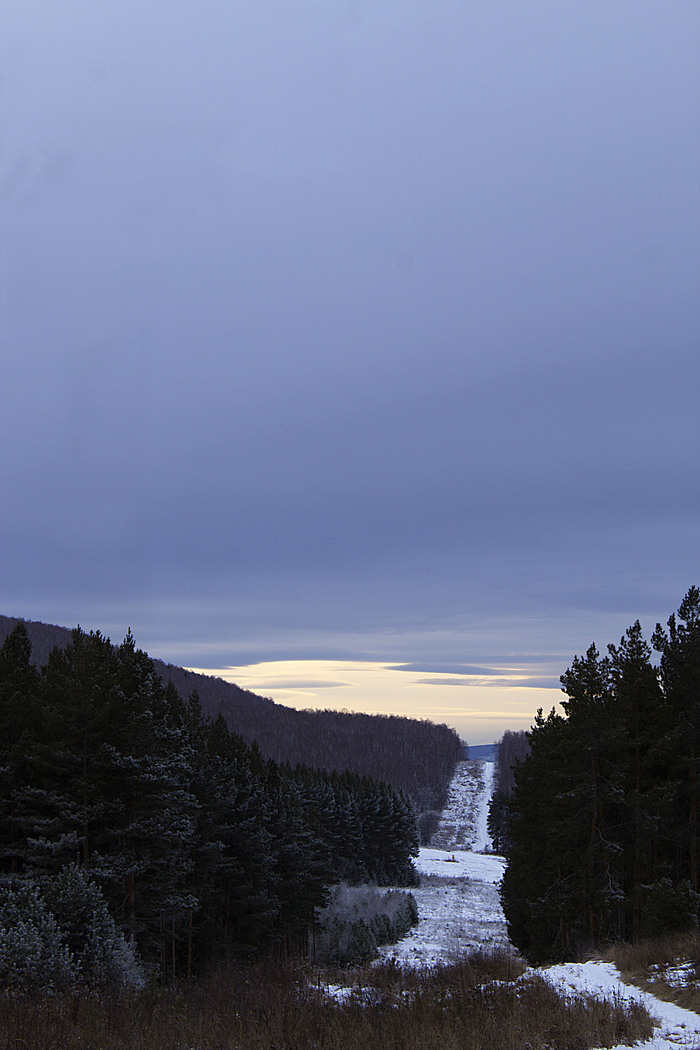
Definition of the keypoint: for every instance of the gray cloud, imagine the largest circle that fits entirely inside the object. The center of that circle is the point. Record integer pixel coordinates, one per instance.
(496, 681)
(365, 332)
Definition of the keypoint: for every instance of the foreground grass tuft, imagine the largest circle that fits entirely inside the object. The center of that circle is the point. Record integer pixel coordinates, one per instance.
(482, 1001)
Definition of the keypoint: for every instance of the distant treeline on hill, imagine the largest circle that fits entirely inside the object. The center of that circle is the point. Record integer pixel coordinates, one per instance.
(414, 756)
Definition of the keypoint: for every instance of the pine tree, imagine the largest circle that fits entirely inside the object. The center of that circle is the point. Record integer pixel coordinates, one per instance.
(604, 822)
(146, 857)
(542, 889)
(102, 957)
(680, 678)
(235, 852)
(19, 683)
(644, 771)
(300, 869)
(66, 802)
(107, 785)
(33, 956)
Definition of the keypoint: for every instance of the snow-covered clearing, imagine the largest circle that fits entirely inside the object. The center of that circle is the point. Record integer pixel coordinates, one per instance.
(458, 906)
(459, 909)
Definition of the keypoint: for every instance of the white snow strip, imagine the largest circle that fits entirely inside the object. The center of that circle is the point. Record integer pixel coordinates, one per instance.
(463, 821)
(482, 839)
(459, 909)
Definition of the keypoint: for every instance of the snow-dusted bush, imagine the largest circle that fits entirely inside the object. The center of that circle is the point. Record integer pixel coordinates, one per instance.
(33, 955)
(104, 958)
(58, 934)
(359, 919)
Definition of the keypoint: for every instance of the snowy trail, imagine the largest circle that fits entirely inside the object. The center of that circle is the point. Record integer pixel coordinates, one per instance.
(458, 901)
(459, 908)
(482, 841)
(463, 820)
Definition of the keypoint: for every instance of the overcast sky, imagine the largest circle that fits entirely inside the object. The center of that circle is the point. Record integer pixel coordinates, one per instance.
(352, 331)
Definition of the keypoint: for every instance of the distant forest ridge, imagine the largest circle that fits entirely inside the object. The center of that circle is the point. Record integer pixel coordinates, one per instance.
(415, 756)
(483, 752)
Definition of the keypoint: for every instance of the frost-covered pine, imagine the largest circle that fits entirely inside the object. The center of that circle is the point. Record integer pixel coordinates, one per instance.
(358, 919)
(33, 955)
(59, 936)
(102, 956)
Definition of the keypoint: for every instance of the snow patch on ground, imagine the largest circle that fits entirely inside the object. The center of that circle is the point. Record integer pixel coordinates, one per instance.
(453, 918)
(461, 864)
(459, 908)
(676, 1027)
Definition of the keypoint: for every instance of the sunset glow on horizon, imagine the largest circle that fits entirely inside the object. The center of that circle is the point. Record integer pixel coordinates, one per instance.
(480, 707)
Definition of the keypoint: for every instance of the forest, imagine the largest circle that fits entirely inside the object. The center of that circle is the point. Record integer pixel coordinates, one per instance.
(138, 836)
(415, 756)
(600, 825)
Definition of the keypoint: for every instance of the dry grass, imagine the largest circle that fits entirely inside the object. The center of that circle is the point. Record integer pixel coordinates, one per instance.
(668, 967)
(479, 1003)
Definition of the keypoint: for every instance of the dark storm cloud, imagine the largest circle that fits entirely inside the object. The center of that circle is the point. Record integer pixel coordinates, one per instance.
(341, 321)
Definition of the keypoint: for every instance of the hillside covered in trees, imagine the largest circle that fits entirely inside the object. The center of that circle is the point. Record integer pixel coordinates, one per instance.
(603, 827)
(415, 756)
(130, 818)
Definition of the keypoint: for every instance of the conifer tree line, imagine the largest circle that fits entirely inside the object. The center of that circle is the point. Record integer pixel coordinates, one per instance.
(414, 755)
(199, 848)
(512, 748)
(603, 827)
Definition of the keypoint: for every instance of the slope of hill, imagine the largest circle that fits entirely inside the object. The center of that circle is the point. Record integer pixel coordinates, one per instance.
(415, 756)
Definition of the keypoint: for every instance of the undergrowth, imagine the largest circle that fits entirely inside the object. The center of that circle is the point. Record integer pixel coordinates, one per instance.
(668, 967)
(482, 1001)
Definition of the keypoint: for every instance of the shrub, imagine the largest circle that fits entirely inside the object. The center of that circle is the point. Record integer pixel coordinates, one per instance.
(33, 956)
(475, 1005)
(104, 958)
(58, 935)
(427, 824)
(359, 919)
(669, 908)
